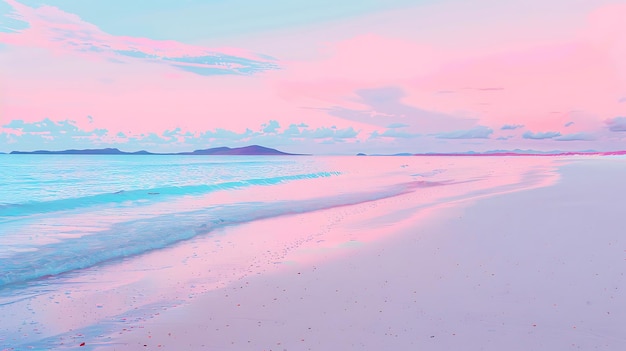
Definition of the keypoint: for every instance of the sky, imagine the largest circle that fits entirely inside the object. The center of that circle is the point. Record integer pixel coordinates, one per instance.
(320, 77)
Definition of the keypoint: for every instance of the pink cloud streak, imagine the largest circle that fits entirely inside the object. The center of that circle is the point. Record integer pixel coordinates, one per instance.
(62, 32)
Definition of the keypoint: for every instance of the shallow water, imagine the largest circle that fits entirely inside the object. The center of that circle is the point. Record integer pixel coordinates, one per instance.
(73, 227)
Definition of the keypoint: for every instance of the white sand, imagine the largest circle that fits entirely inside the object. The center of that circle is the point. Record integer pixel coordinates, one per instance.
(541, 269)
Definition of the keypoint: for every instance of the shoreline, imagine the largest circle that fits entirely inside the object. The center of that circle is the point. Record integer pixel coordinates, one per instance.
(356, 268)
(449, 282)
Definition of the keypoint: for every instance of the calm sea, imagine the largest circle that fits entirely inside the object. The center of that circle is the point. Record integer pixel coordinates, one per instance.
(61, 213)
(64, 219)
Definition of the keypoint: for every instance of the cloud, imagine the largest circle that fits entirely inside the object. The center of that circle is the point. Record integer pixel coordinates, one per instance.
(271, 133)
(225, 134)
(171, 133)
(385, 108)
(480, 132)
(622, 99)
(568, 124)
(511, 126)
(292, 131)
(48, 134)
(334, 133)
(152, 139)
(617, 124)
(65, 128)
(397, 125)
(540, 135)
(576, 137)
(346, 133)
(59, 31)
(394, 133)
(271, 127)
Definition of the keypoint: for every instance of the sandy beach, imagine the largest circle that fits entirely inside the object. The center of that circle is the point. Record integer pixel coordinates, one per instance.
(539, 269)
(490, 254)
(430, 175)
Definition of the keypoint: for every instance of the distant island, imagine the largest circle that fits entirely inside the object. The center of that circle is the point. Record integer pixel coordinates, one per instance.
(251, 150)
(558, 153)
(257, 150)
(509, 153)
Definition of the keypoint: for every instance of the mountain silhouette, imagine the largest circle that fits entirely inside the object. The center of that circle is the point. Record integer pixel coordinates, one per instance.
(250, 150)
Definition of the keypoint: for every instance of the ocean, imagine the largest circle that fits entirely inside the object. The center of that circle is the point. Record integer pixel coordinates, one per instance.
(71, 226)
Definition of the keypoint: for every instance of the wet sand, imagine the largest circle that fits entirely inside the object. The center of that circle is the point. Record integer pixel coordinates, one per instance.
(538, 269)
(490, 254)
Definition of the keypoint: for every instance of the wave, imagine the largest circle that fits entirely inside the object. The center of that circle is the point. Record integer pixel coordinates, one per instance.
(30, 208)
(141, 236)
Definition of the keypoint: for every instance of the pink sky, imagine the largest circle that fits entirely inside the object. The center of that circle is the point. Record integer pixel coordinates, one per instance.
(419, 77)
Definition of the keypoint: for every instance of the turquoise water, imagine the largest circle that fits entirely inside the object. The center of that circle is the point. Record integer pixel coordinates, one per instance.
(63, 213)
(76, 230)
(30, 179)
(46, 204)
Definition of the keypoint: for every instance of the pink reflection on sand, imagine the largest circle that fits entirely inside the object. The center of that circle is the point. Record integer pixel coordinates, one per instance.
(132, 291)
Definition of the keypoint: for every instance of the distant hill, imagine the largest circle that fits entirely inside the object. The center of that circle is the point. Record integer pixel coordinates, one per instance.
(251, 150)
(107, 151)
(516, 152)
(398, 154)
(529, 153)
(246, 150)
